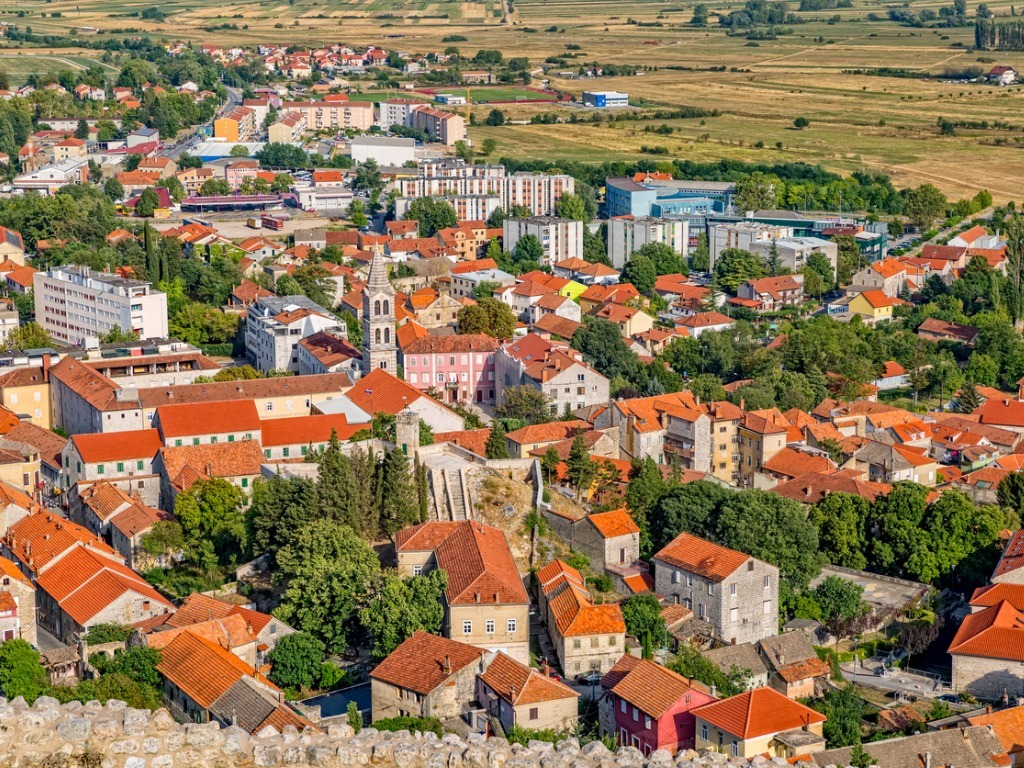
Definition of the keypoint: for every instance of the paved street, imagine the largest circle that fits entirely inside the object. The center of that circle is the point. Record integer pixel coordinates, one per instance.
(896, 681)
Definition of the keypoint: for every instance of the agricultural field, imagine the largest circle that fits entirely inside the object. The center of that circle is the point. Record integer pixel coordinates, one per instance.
(857, 120)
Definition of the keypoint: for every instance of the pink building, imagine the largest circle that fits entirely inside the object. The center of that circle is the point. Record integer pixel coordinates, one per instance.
(653, 705)
(461, 368)
(239, 170)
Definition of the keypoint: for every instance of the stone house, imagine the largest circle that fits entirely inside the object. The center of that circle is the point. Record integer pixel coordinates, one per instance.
(743, 657)
(517, 695)
(231, 633)
(792, 663)
(426, 676)
(757, 722)
(17, 604)
(1010, 568)
(485, 604)
(587, 637)
(207, 423)
(535, 437)
(987, 660)
(738, 595)
(608, 539)
(653, 706)
(123, 459)
(198, 608)
(761, 435)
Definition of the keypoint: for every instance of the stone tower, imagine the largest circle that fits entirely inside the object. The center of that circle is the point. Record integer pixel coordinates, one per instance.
(380, 349)
(407, 431)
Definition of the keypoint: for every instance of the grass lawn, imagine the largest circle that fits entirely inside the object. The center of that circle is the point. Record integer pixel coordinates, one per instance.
(481, 94)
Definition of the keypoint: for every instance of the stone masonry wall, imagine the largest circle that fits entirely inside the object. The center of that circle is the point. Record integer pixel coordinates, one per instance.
(51, 735)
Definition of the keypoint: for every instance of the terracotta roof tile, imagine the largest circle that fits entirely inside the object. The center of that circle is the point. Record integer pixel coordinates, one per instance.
(615, 523)
(419, 663)
(996, 633)
(10, 569)
(575, 615)
(207, 418)
(553, 431)
(41, 538)
(759, 712)
(474, 440)
(117, 446)
(242, 457)
(518, 684)
(246, 389)
(302, 430)
(701, 556)
(203, 669)
(994, 594)
(652, 688)
(791, 463)
(468, 343)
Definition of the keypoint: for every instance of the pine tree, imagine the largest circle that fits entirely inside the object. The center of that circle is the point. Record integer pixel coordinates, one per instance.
(334, 487)
(366, 507)
(968, 399)
(580, 467)
(399, 507)
(496, 447)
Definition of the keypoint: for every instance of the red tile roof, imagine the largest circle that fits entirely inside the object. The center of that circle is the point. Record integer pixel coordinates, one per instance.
(575, 616)
(652, 688)
(202, 669)
(995, 633)
(1013, 555)
(443, 345)
(10, 569)
(553, 431)
(760, 712)
(41, 538)
(615, 523)
(186, 420)
(390, 394)
(302, 430)
(240, 458)
(791, 463)
(424, 661)
(994, 594)
(812, 487)
(474, 440)
(701, 556)
(518, 684)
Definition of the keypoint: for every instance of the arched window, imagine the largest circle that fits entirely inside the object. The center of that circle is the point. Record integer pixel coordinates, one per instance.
(385, 306)
(377, 336)
(376, 307)
(387, 335)
(383, 364)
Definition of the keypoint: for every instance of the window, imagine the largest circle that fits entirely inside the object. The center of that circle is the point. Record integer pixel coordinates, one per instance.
(467, 627)
(489, 626)
(195, 441)
(636, 714)
(138, 464)
(231, 438)
(767, 582)
(750, 563)
(711, 588)
(120, 466)
(735, 747)
(245, 482)
(99, 469)
(534, 713)
(511, 625)
(733, 615)
(417, 570)
(622, 704)
(269, 406)
(704, 731)
(612, 640)
(689, 580)
(576, 643)
(675, 577)
(700, 610)
(732, 590)
(647, 721)
(767, 607)
(595, 642)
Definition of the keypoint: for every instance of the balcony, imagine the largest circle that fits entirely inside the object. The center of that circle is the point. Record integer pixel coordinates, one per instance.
(637, 568)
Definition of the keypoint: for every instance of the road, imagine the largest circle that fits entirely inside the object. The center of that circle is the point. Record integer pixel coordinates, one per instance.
(948, 232)
(898, 682)
(174, 151)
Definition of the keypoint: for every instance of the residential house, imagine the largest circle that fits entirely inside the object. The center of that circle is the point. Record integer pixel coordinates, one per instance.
(204, 682)
(792, 664)
(773, 293)
(609, 539)
(522, 441)
(180, 467)
(987, 659)
(886, 275)
(761, 435)
(461, 368)
(654, 706)
(740, 658)
(122, 458)
(702, 322)
(197, 608)
(517, 695)
(586, 637)
(1002, 75)
(207, 423)
(757, 722)
(275, 325)
(738, 595)
(934, 329)
(596, 296)
(1010, 568)
(893, 376)
(892, 463)
(629, 320)
(433, 309)
(299, 435)
(17, 604)
(873, 306)
(587, 273)
(329, 352)
(485, 602)
(381, 392)
(426, 676)
(961, 745)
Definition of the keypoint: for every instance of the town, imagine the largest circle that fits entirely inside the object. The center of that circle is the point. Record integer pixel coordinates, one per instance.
(319, 416)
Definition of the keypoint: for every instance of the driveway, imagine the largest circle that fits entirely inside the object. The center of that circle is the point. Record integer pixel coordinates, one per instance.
(47, 642)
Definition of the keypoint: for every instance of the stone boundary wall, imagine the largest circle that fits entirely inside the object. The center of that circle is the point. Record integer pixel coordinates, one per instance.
(51, 735)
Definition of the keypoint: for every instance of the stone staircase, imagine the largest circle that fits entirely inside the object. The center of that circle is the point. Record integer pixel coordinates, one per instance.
(456, 495)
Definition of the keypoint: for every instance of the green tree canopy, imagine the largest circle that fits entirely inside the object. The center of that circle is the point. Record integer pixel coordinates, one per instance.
(402, 606)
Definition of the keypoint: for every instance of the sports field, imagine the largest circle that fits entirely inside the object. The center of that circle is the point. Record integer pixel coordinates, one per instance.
(759, 87)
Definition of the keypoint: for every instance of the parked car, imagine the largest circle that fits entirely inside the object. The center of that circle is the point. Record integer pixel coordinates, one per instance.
(592, 679)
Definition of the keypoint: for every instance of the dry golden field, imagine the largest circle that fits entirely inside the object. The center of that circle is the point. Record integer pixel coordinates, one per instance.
(857, 121)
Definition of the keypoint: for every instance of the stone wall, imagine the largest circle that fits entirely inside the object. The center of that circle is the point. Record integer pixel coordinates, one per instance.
(51, 735)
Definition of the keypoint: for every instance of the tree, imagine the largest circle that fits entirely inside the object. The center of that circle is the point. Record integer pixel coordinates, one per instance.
(211, 511)
(1010, 492)
(327, 570)
(432, 215)
(214, 187)
(571, 206)
(488, 147)
(174, 186)
(529, 251)
(239, 150)
(488, 316)
(21, 674)
(164, 539)
(355, 717)
(28, 336)
(202, 324)
(282, 183)
(640, 271)
(497, 446)
(840, 519)
(689, 663)
(841, 603)
(525, 404)
(549, 463)
(118, 336)
(495, 117)
(756, 192)
(666, 261)
(402, 607)
(398, 505)
(801, 122)
(357, 214)
(580, 468)
(601, 343)
(700, 15)
(82, 129)
(735, 266)
(113, 189)
(844, 710)
(924, 204)
(147, 204)
(296, 661)
(642, 614)
(280, 508)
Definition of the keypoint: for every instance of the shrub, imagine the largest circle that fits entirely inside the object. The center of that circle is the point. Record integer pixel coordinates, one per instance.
(108, 633)
(422, 724)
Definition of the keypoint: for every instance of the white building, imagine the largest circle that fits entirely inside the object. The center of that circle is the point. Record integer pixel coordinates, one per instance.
(745, 235)
(77, 305)
(627, 234)
(275, 325)
(48, 179)
(386, 150)
(536, 191)
(560, 238)
(795, 252)
(605, 99)
(324, 198)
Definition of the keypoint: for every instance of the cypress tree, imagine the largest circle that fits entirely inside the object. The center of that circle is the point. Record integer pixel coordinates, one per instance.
(496, 447)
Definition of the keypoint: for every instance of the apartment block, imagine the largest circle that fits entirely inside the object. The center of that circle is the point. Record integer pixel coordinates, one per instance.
(746, 236)
(77, 305)
(628, 234)
(560, 238)
(237, 125)
(333, 114)
(275, 325)
(536, 191)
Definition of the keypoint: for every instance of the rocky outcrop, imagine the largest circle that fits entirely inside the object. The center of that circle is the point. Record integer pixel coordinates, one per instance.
(53, 735)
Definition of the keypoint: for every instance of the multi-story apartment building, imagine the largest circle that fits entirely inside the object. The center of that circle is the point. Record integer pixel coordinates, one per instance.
(725, 456)
(536, 191)
(275, 325)
(439, 186)
(459, 367)
(795, 252)
(627, 234)
(288, 128)
(773, 293)
(237, 125)
(77, 305)
(558, 372)
(485, 604)
(738, 595)
(443, 127)
(333, 114)
(761, 434)
(560, 238)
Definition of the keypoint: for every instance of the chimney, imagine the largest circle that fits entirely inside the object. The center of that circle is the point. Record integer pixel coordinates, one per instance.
(927, 760)
(447, 664)
(713, 694)
(743, 404)
(782, 659)
(209, 469)
(46, 367)
(477, 596)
